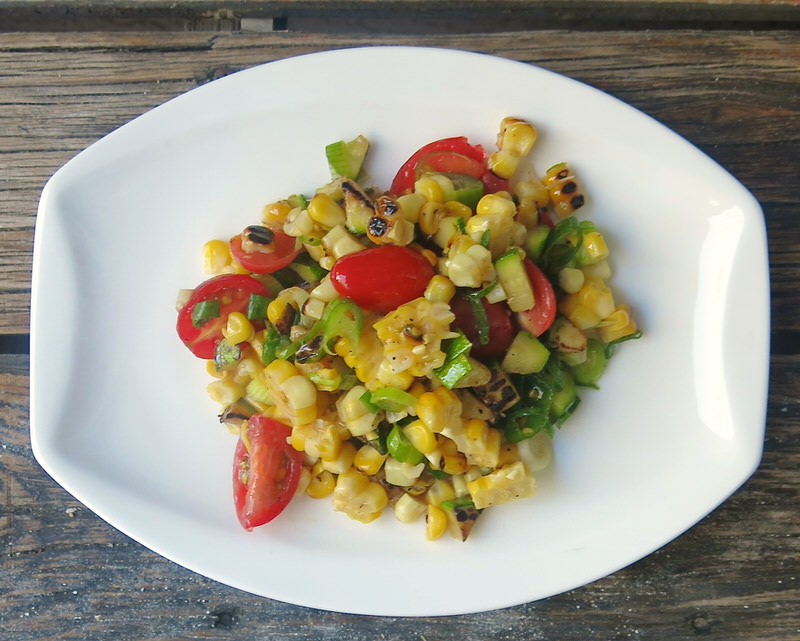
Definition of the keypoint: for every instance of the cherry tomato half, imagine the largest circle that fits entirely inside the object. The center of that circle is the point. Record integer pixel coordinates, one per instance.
(538, 319)
(383, 278)
(262, 262)
(501, 330)
(233, 292)
(450, 156)
(265, 478)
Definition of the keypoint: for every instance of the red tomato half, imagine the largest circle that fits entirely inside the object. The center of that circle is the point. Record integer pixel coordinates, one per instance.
(266, 263)
(501, 330)
(538, 319)
(233, 292)
(265, 478)
(383, 278)
(451, 156)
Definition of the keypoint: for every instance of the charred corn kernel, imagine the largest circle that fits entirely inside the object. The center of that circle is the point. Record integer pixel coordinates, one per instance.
(503, 163)
(420, 436)
(343, 462)
(571, 279)
(495, 205)
(479, 443)
(325, 211)
(277, 308)
(274, 215)
(440, 289)
(321, 485)
(435, 522)
(430, 216)
(453, 461)
(501, 486)
(225, 391)
(407, 509)
(216, 256)
(238, 329)
(387, 226)
(430, 188)
(594, 247)
(314, 308)
(368, 460)
(298, 223)
(439, 409)
(301, 398)
(619, 324)
(358, 497)
(565, 195)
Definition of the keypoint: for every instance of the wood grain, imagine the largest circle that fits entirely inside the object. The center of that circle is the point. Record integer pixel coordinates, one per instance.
(733, 94)
(735, 576)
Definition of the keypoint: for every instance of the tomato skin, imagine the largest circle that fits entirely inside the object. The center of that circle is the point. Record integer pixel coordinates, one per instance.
(538, 319)
(451, 156)
(273, 472)
(382, 278)
(236, 289)
(263, 263)
(501, 329)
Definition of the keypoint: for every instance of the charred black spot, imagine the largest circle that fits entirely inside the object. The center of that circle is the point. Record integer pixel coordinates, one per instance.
(387, 206)
(259, 235)
(577, 201)
(570, 187)
(377, 226)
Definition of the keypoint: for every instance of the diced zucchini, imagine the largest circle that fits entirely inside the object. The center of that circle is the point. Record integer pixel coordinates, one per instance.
(535, 241)
(346, 158)
(526, 355)
(308, 269)
(564, 400)
(358, 207)
(512, 276)
(590, 371)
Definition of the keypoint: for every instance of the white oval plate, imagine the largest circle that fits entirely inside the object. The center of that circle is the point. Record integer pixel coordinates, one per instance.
(119, 412)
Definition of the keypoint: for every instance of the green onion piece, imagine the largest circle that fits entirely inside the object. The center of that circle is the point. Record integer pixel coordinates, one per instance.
(401, 449)
(272, 343)
(486, 238)
(481, 320)
(342, 319)
(612, 346)
(257, 307)
(205, 311)
(454, 371)
(562, 245)
(226, 356)
(298, 200)
(526, 423)
(366, 400)
(392, 399)
(461, 226)
(439, 474)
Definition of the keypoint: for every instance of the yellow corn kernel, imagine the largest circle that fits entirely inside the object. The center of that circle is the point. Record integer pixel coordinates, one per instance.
(440, 289)
(358, 497)
(298, 223)
(321, 485)
(301, 398)
(496, 205)
(238, 329)
(439, 409)
(431, 257)
(274, 214)
(326, 211)
(441, 490)
(409, 206)
(429, 188)
(435, 522)
(420, 436)
(211, 369)
(407, 509)
(276, 309)
(594, 245)
(343, 462)
(279, 371)
(368, 460)
(516, 136)
(503, 163)
(225, 391)
(571, 279)
(216, 256)
(453, 461)
(618, 325)
(430, 217)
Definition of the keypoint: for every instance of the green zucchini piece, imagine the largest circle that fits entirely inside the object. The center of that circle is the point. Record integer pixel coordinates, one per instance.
(205, 311)
(590, 371)
(346, 158)
(512, 276)
(526, 355)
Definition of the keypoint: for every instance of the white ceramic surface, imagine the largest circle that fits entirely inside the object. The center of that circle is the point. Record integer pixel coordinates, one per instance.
(119, 412)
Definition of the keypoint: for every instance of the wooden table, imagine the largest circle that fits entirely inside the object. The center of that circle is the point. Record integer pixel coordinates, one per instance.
(725, 75)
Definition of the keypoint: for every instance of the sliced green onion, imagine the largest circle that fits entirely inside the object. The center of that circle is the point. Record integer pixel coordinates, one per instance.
(205, 311)
(366, 401)
(392, 399)
(456, 364)
(257, 307)
(481, 319)
(486, 238)
(272, 343)
(590, 371)
(401, 449)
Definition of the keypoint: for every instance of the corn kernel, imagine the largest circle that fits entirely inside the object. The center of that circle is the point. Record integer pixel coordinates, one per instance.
(216, 256)
(321, 485)
(503, 164)
(343, 462)
(238, 329)
(274, 215)
(368, 460)
(407, 509)
(435, 522)
(496, 205)
(430, 216)
(420, 436)
(225, 392)
(326, 211)
(516, 136)
(430, 188)
(440, 289)
(301, 398)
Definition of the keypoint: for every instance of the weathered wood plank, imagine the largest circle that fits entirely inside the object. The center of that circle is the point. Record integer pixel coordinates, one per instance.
(733, 94)
(67, 575)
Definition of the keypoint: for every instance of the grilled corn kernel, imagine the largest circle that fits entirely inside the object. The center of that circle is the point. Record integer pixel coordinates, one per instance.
(440, 289)
(368, 460)
(238, 329)
(453, 461)
(274, 215)
(216, 256)
(358, 497)
(516, 136)
(326, 211)
(409, 206)
(430, 188)
(439, 409)
(225, 391)
(430, 216)
(503, 163)
(321, 485)
(420, 436)
(435, 522)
